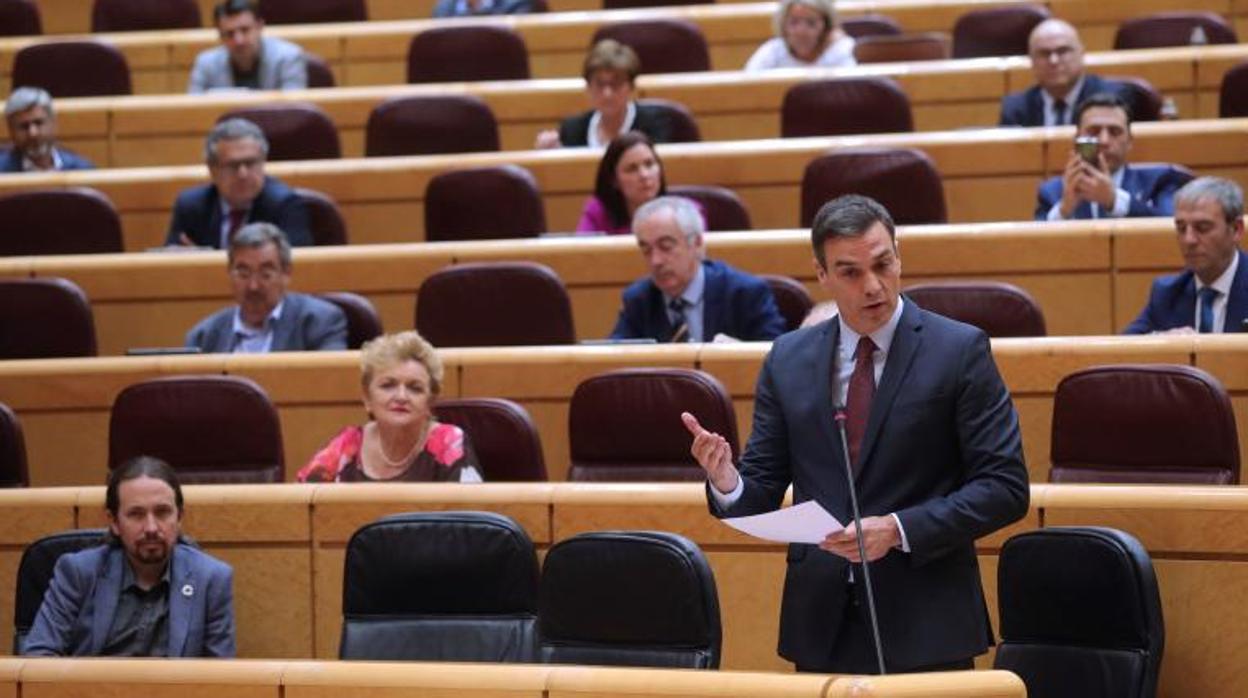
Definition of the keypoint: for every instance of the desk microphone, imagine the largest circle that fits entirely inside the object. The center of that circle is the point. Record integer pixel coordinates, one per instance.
(862, 550)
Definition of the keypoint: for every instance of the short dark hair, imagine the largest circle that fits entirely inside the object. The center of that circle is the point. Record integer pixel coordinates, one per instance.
(1102, 99)
(604, 184)
(229, 8)
(137, 467)
(848, 216)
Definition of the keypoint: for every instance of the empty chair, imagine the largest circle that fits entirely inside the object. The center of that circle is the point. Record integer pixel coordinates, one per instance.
(430, 124)
(682, 127)
(325, 221)
(663, 45)
(629, 598)
(13, 470)
(44, 318)
(1233, 96)
(440, 586)
(211, 429)
(19, 18)
(889, 48)
(466, 53)
(869, 25)
(723, 208)
(1080, 613)
(34, 574)
(1138, 423)
(999, 309)
(507, 443)
(845, 106)
(72, 69)
(313, 11)
(792, 299)
(625, 425)
(494, 304)
(76, 220)
(295, 130)
(319, 72)
(904, 180)
(1174, 29)
(140, 15)
(363, 323)
(1141, 96)
(483, 203)
(996, 31)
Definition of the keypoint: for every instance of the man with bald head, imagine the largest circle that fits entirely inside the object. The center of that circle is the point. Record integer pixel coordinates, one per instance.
(1057, 62)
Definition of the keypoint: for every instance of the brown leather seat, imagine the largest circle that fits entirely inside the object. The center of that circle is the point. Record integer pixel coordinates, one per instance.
(295, 130)
(319, 72)
(845, 106)
(13, 470)
(1162, 29)
(20, 18)
(1233, 96)
(1000, 309)
(363, 322)
(483, 203)
(904, 180)
(76, 220)
(494, 304)
(663, 45)
(44, 318)
(431, 124)
(211, 429)
(313, 11)
(467, 53)
(723, 208)
(141, 15)
(1138, 423)
(682, 127)
(870, 25)
(507, 443)
(792, 299)
(996, 31)
(625, 426)
(324, 219)
(1141, 96)
(887, 48)
(72, 69)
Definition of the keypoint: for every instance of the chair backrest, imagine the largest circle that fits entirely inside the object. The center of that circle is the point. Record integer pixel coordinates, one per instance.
(20, 18)
(792, 299)
(629, 4)
(723, 208)
(295, 130)
(1080, 613)
(431, 124)
(844, 106)
(629, 598)
(72, 69)
(466, 53)
(870, 25)
(507, 443)
(494, 304)
(483, 203)
(904, 180)
(997, 308)
(13, 470)
(325, 221)
(625, 426)
(34, 574)
(1135, 423)
(440, 586)
(890, 48)
(1233, 95)
(313, 11)
(662, 45)
(319, 72)
(45, 318)
(363, 322)
(211, 429)
(1162, 29)
(996, 31)
(682, 127)
(75, 220)
(1144, 99)
(140, 15)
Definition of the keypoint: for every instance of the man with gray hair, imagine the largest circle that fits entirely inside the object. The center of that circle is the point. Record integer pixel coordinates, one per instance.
(267, 318)
(32, 130)
(210, 214)
(686, 297)
(1211, 293)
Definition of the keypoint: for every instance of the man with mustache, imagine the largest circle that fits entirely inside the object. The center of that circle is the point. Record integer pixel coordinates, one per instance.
(32, 130)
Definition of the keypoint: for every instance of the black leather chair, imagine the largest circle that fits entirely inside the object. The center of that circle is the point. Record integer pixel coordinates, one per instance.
(13, 470)
(1080, 614)
(507, 443)
(440, 586)
(629, 598)
(34, 574)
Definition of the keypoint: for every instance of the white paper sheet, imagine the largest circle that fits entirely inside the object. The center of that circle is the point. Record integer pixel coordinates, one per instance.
(807, 522)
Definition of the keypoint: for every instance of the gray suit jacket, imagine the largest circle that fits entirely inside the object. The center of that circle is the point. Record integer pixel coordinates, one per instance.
(282, 67)
(307, 324)
(78, 608)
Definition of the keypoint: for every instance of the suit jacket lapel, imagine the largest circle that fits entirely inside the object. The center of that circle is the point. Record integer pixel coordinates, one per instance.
(906, 342)
(181, 581)
(107, 592)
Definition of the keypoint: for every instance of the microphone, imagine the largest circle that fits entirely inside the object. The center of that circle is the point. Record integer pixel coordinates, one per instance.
(862, 550)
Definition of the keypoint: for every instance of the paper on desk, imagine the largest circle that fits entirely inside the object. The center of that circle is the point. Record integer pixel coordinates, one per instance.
(807, 522)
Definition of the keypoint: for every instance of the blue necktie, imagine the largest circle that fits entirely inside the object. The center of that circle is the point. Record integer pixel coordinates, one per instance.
(1207, 295)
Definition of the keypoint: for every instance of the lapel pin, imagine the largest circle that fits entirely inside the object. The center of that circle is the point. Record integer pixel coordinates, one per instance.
(188, 591)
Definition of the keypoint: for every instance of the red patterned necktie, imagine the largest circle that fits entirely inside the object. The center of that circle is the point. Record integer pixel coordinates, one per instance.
(858, 401)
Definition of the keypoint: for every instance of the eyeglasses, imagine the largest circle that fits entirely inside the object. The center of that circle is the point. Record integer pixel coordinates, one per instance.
(237, 166)
(1060, 53)
(246, 274)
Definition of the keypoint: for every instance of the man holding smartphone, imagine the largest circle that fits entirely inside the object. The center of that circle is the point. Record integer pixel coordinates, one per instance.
(1097, 182)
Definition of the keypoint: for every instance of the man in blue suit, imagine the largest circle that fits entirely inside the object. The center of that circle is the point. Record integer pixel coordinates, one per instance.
(32, 130)
(688, 298)
(1057, 62)
(1211, 293)
(144, 593)
(935, 451)
(1108, 188)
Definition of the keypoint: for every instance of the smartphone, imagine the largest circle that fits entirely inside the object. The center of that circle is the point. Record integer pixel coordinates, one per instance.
(1087, 147)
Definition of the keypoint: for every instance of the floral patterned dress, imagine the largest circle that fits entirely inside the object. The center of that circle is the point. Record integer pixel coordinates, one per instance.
(446, 457)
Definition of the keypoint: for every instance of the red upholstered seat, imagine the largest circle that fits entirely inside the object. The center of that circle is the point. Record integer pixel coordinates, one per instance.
(140, 15)
(723, 208)
(996, 31)
(483, 203)
(999, 309)
(1162, 29)
(683, 128)
(363, 322)
(324, 219)
(13, 471)
(313, 11)
(1233, 96)
(466, 53)
(76, 220)
(319, 72)
(870, 25)
(1141, 96)
(45, 318)
(904, 180)
(663, 45)
(295, 130)
(431, 124)
(507, 443)
(844, 106)
(72, 69)
(889, 48)
(792, 299)
(19, 18)
(494, 304)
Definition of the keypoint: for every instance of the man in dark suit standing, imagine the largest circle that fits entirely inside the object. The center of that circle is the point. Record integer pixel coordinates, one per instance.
(1211, 293)
(32, 131)
(935, 450)
(1057, 62)
(686, 297)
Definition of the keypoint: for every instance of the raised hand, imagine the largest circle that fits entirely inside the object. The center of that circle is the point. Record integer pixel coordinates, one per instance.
(713, 453)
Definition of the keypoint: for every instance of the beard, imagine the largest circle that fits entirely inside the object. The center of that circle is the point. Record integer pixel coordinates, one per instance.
(151, 551)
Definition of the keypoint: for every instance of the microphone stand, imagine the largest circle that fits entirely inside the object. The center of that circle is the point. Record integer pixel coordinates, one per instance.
(862, 551)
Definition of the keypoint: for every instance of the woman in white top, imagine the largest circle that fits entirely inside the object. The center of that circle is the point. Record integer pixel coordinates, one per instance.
(806, 36)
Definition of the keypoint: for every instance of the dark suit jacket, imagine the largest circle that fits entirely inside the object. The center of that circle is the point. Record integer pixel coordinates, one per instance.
(1152, 189)
(941, 450)
(197, 212)
(78, 608)
(446, 8)
(733, 302)
(1172, 302)
(574, 130)
(307, 324)
(11, 161)
(1026, 108)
